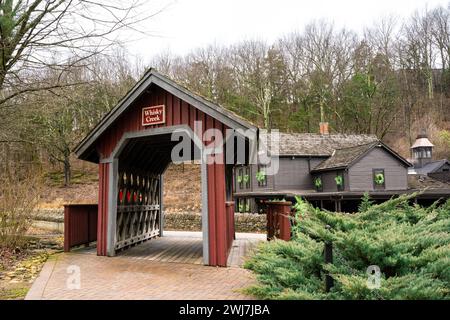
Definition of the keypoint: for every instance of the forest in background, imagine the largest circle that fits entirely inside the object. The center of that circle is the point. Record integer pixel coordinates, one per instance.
(393, 80)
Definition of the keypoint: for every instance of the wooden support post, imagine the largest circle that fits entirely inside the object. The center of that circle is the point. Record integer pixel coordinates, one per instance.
(67, 229)
(269, 223)
(285, 223)
(337, 205)
(278, 220)
(161, 205)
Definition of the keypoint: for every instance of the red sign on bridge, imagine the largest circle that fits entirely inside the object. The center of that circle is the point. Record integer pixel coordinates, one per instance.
(154, 115)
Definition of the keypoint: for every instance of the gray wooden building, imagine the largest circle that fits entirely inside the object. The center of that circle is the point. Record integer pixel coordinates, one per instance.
(332, 171)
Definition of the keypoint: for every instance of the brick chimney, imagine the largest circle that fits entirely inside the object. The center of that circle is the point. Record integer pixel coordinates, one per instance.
(324, 130)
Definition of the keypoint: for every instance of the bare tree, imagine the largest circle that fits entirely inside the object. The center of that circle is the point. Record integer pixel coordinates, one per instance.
(418, 47)
(62, 116)
(57, 34)
(257, 68)
(441, 34)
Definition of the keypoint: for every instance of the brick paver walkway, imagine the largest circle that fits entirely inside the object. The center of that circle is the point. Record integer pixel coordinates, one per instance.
(124, 278)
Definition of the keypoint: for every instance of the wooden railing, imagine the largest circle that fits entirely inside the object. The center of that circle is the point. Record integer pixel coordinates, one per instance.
(136, 223)
(138, 208)
(80, 225)
(278, 220)
(231, 235)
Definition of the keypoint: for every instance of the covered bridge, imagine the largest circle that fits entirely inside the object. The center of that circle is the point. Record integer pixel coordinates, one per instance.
(132, 146)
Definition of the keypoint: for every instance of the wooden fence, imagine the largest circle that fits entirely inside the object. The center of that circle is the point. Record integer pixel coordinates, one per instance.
(80, 225)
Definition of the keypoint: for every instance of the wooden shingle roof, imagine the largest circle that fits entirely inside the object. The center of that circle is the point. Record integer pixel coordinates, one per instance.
(430, 167)
(310, 144)
(342, 158)
(421, 182)
(345, 157)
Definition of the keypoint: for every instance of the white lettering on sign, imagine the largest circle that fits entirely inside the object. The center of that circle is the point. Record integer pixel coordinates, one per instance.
(153, 115)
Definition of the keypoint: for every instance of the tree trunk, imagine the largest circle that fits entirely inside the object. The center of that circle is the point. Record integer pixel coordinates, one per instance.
(67, 171)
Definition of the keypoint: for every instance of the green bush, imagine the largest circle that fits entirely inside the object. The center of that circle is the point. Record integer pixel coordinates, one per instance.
(410, 244)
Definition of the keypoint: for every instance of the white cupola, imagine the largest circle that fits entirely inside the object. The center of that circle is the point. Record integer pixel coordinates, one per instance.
(422, 150)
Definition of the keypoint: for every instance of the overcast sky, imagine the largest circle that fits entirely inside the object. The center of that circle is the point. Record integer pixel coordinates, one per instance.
(188, 24)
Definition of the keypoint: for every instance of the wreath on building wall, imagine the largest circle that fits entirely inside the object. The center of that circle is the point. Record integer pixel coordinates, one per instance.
(261, 176)
(246, 178)
(318, 183)
(239, 179)
(379, 179)
(339, 181)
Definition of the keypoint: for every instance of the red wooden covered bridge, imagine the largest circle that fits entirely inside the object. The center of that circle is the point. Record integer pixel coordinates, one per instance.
(132, 146)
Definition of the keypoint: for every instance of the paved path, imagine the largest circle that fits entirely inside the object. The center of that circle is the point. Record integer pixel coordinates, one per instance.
(130, 277)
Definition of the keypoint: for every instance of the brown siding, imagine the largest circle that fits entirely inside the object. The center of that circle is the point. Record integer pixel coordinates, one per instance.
(177, 112)
(360, 174)
(346, 181)
(294, 174)
(329, 182)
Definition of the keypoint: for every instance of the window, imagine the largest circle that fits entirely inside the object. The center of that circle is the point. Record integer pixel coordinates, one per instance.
(241, 205)
(340, 183)
(243, 178)
(244, 205)
(247, 178)
(240, 178)
(261, 176)
(379, 179)
(318, 184)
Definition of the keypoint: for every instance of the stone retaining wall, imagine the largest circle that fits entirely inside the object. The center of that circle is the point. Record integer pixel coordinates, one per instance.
(247, 223)
(49, 215)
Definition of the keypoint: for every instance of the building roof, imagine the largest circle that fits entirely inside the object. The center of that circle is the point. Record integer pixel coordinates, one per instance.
(225, 116)
(310, 144)
(422, 142)
(346, 157)
(343, 158)
(430, 167)
(422, 181)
